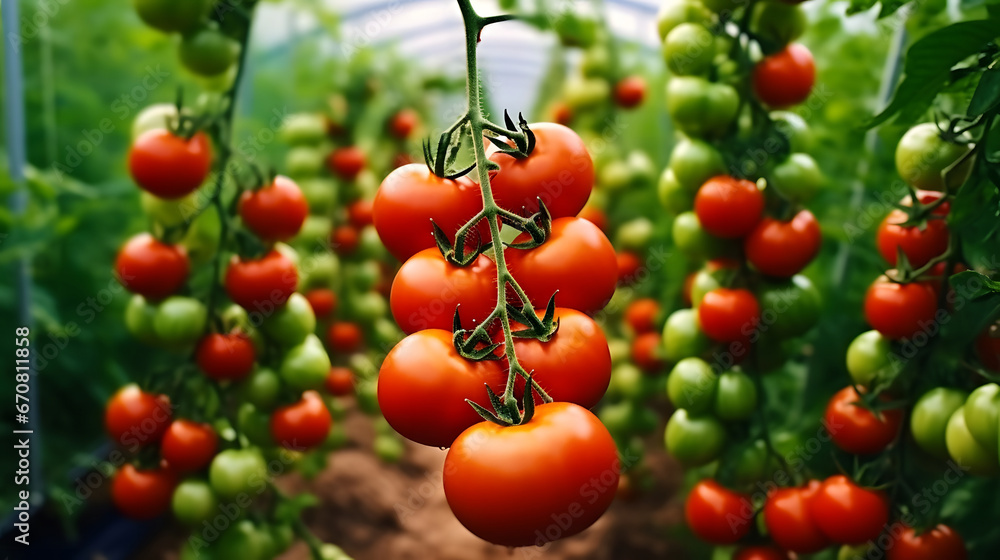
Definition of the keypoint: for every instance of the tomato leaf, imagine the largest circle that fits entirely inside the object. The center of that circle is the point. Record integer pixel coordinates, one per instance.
(973, 285)
(290, 509)
(987, 94)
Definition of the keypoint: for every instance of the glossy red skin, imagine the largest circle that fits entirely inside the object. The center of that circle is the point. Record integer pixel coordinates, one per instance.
(577, 260)
(988, 350)
(629, 265)
(403, 122)
(630, 92)
(937, 543)
(169, 166)
(225, 357)
(340, 381)
(142, 494)
(760, 553)
(359, 213)
(423, 384)
(644, 352)
(716, 514)
(728, 315)
(189, 446)
(595, 216)
(783, 249)
(564, 458)
(150, 267)
(322, 300)
(345, 239)
(573, 366)
(347, 162)
(919, 246)
(728, 207)
(345, 337)
(900, 310)
(559, 170)
(427, 289)
(791, 527)
(411, 196)
(857, 430)
(132, 413)
(262, 284)
(643, 315)
(847, 513)
(275, 212)
(785, 78)
(302, 424)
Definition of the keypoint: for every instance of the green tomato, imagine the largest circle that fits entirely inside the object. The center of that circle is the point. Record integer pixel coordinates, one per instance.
(870, 358)
(255, 425)
(237, 471)
(634, 234)
(305, 366)
(573, 30)
(596, 62)
(370, 245)
(386, 333)
(689, 49)
(319, 270)
(700, 108)
(388, 448)
(304, 161)
(793, 127)
(750, 463)
(315, 232)
(629, 382)
(858, 552)
(673, 197)
(735, 396)
(720, 6)
(172, 15)
(683, 337)
(290, 324)
(694, 441)
(208, 52)
(362, 276)
(303, 128)
(966, 451)
(321, 193)
(675, 12)
(586, 93)
(202, 237)
(283, 535)
(982, 415)
(179, 320)
(693, 240)
(290, 253)
(171, 212)
(789, 308)
(367, 396)
(779, 23)
(241, 541)
(797, 179)
(614, 176)
(692, 385)
(922, 155)
(332, 552)
(366, 307)
(704, 281)
(930, 416)
(641, 168)
(261, 389)
(139, 319)
(693, 162)
(152, 117)
(194, 502)
(621, 351)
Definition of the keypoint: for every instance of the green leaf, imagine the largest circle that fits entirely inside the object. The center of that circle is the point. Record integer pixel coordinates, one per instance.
(889, 7)
(291, 509)
(973, 285)
(857, 6)
(987, 95)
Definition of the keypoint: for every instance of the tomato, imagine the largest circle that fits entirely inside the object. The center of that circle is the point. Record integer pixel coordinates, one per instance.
(577, 260)
(716, 514)
(179, 320)
(402, 124)
(978, 459)
(785, 78)
(208, 52)
(793, 127)
(193, 502)
(646, 352)
(133, 416)
(188, 446)
(305, 366)
(798, 178)
(261, 284)
(275, 212)
(291, 323)
(982, 415)
(340, 381)
(139, 316)
(735, 396)
(559, 171)
(170, 15)
(920, 245)
(642, 315)
(729, 315)
(691, 385)
(169, 166)
(237, 471)
(693, 240)
(425, 368)
(203, 237)
(682, 336)
(695, 161)
(322, 300)
(635, 234)
(783, 249)
(750, 464)
(573, 366)
(261, 388)
(303, 424)
(790, 308)
(345, 337)
(242, 540)
(225, 357)
(142, 494)
(629, 382)
(701, 108)
(672, 196)
(150, 267)
(728, 207)
(858, 430)
(847, 513)
(347, 162)
(596, 216)
(411, 196)
(689, 49)
(564, 458)
(630, 91)
(929, 419)
(345, 239)
(676, 12)
(778, 22)
(254, 425)
(360, 213)
(586, 94)
(900, 310)
(940, 541)
(629, 264)
(304, 162)
(870, 358)
(427, 289)
(303, 128)
(694, 440)
(760, 552)
(922, 156)
(789, 523)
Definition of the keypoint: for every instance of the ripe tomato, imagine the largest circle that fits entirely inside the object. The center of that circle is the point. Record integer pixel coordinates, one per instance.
(275, 212)
(564, 458)
(340, 381)
(359, 213)
(323, 301)
(150, 267)
(760, 553)
(411, 196)
(345, 239)
(262, 284)
(577, 260)
(573, 366)
(785, 78)
(401, 124)
(643, 315)
(728, 207)
(729, 315)
(595, 216)
(645, 352)
(919, 245)
(133, 416)
(559, 171)
(427, 289)
(169, 166)
(345, 337)
(302, 424)
(630, 92)
(847, 513)
(940, 541)
(561, 113)
(857, 430)
(425, 368)
(716, 514)
(226, 356)
(786, 514)
(346, 162)
(189, 446)
(900, 310)
(629, 265)
(783, 249)
(922, 155)
(142, 494)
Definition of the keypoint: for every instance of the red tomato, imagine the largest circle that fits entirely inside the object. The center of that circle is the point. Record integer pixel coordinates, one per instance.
(189, 446)
(427, 289)
(629, 264)
(937, 543)
(988, 350)
(728, 315)
(226, 356)
(149, 267)
(340, 381)
(785, 78)
(345, 337)
(686, 289)
(847, 513)
(261, 285)
(630, 92)
(401, 124)
(134, 417)
(359, 213)
(645, 352)
(423, 384)
(562, 114)
(169, 166)
(728, 207)
(595, 216)
(275, 212)
(857, 430)
(323, 301)
(559, 171)
(345, 239)
(564, 458)
(142, 494)
(920, 245)
(760, 553)
(900, 310)
(411, 196)
(783, 249)
(577, 260)
(347, 162)
(302, 424)
(643, 315)
(786, 513)
(716, 514)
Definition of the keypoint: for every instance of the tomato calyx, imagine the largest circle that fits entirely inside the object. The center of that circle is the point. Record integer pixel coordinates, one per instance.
(540, 329)
(523, 137)
(506, 411)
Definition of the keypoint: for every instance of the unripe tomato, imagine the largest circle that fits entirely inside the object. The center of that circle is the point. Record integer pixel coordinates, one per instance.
(303, 424)
(922, 156)
(261, 388)
(305, 366)
(798, 178)
(900, 310)
(858, 430)
(150, 267)
(689, 49)
(193, 502)
(695, 161)
(169, 166)
(275, 212)
(785, 78)
(783, 249)
(172, 212)
(291, 323)
(139, 316)
(172, 15)
(982, 415)
(179, 321)
(692, 385)
(701, 108)
(261, 284)
(237, 471)
(694, 441)
(735, 396)
(966, 451)
(716, 514)
(226, 357)
(929, 419)
(208, 52)
(778, 22)
(188, 446)
(675, 12)
(692, 239)
(870, 359)
(750, 464)
(789, 308)
(303, 128)
(728, 207)
(729, 315)
(793, 127)
(142, 494)
(347, 162)
(630, 91)
(303, 162)
(672, 196)
(134, 417)
(847, 513)
(682, 336)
